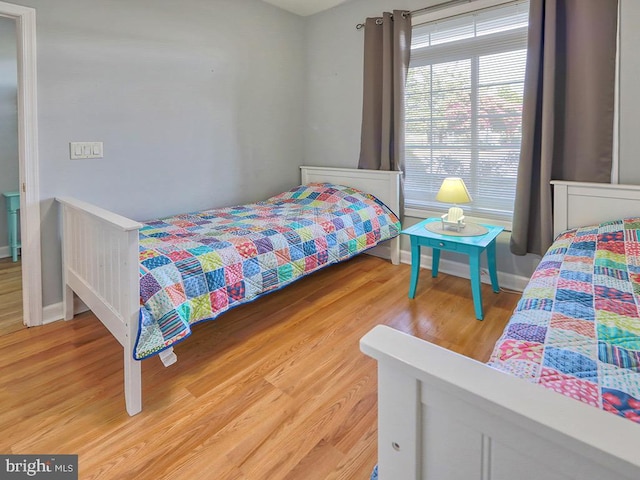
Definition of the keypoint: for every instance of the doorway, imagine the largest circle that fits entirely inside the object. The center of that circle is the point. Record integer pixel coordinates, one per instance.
(10, 263)
(23, 21)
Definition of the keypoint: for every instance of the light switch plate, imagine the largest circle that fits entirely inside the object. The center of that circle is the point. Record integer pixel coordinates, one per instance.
(82, 150)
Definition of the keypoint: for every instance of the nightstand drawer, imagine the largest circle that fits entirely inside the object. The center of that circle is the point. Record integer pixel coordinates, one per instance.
(443, 244)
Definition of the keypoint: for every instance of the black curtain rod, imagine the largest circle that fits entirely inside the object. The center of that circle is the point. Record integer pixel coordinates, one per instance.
(432, 8)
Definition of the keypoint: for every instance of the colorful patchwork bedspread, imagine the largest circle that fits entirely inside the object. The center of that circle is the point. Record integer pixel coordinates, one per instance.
(576, 329)
(195, 266)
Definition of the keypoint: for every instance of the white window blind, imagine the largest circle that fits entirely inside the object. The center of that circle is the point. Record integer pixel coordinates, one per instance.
(464, 108)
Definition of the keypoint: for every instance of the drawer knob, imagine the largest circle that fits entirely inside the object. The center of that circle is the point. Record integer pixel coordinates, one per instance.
(442, 244)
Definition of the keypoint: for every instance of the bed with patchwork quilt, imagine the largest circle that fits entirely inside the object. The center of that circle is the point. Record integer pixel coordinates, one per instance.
(576, 329)
(559, 397)
(148, 283)
(195, 266)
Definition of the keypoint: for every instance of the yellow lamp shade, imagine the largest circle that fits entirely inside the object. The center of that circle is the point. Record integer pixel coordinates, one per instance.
(453, 190)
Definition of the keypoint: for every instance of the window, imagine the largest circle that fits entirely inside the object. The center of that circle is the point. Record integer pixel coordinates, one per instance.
(464, 108)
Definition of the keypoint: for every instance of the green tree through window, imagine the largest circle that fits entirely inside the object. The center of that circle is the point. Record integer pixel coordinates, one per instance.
(464, 108)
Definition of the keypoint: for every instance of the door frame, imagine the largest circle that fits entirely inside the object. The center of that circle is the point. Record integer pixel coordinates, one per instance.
(25, 18)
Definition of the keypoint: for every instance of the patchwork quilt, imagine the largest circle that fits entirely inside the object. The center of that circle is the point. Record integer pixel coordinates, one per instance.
(195, 266)
(576, 329)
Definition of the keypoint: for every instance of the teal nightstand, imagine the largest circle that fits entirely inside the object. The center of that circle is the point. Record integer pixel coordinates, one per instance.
(13, 205)
(472, 246)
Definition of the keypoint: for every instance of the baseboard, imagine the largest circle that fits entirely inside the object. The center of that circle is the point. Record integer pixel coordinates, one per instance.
(5, 252)
(55, 312)
(506, 280)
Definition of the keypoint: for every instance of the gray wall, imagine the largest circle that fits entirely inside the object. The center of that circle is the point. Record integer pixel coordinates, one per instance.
(9, 180)
(334, 101)
(221, 99)
(629, 94)
(198, 103)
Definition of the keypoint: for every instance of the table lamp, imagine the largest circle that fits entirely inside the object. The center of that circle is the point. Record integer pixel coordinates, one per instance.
(453, 190)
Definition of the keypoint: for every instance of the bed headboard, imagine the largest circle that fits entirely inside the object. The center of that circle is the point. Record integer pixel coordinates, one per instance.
(579, 203)
(384, 185)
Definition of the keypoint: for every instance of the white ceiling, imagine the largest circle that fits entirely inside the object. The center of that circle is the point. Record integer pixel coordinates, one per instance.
(305, 7)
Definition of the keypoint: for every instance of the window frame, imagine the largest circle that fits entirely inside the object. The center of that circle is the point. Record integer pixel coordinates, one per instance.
(441, 14)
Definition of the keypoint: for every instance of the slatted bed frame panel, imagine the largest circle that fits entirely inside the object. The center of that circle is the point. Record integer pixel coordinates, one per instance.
(443, 416)
(101, 263)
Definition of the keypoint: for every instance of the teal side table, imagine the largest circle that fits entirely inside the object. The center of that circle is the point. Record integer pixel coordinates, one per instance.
(472, 246)
(13, 205)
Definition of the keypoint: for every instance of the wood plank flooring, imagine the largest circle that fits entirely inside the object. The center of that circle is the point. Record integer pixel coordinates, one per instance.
(10, 296)
(276, 389)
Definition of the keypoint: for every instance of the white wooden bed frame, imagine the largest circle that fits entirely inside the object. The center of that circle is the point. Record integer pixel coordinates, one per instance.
(101, 263)
(443, 416)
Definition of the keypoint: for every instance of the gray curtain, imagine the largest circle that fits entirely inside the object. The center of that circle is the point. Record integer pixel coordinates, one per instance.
(387, 46)
(567, 119)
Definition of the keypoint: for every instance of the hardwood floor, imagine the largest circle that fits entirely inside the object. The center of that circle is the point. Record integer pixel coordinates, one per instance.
(10, 296)
(276, 389)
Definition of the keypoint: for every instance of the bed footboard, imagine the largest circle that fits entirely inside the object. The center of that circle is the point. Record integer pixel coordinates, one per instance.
(446, 417)
(101, 266)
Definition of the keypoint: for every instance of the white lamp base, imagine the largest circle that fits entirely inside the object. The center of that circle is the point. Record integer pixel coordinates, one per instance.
(453, 222)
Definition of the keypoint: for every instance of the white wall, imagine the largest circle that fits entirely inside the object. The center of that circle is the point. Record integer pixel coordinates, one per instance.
(198, 103)
(9, 180)
(334, 102)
